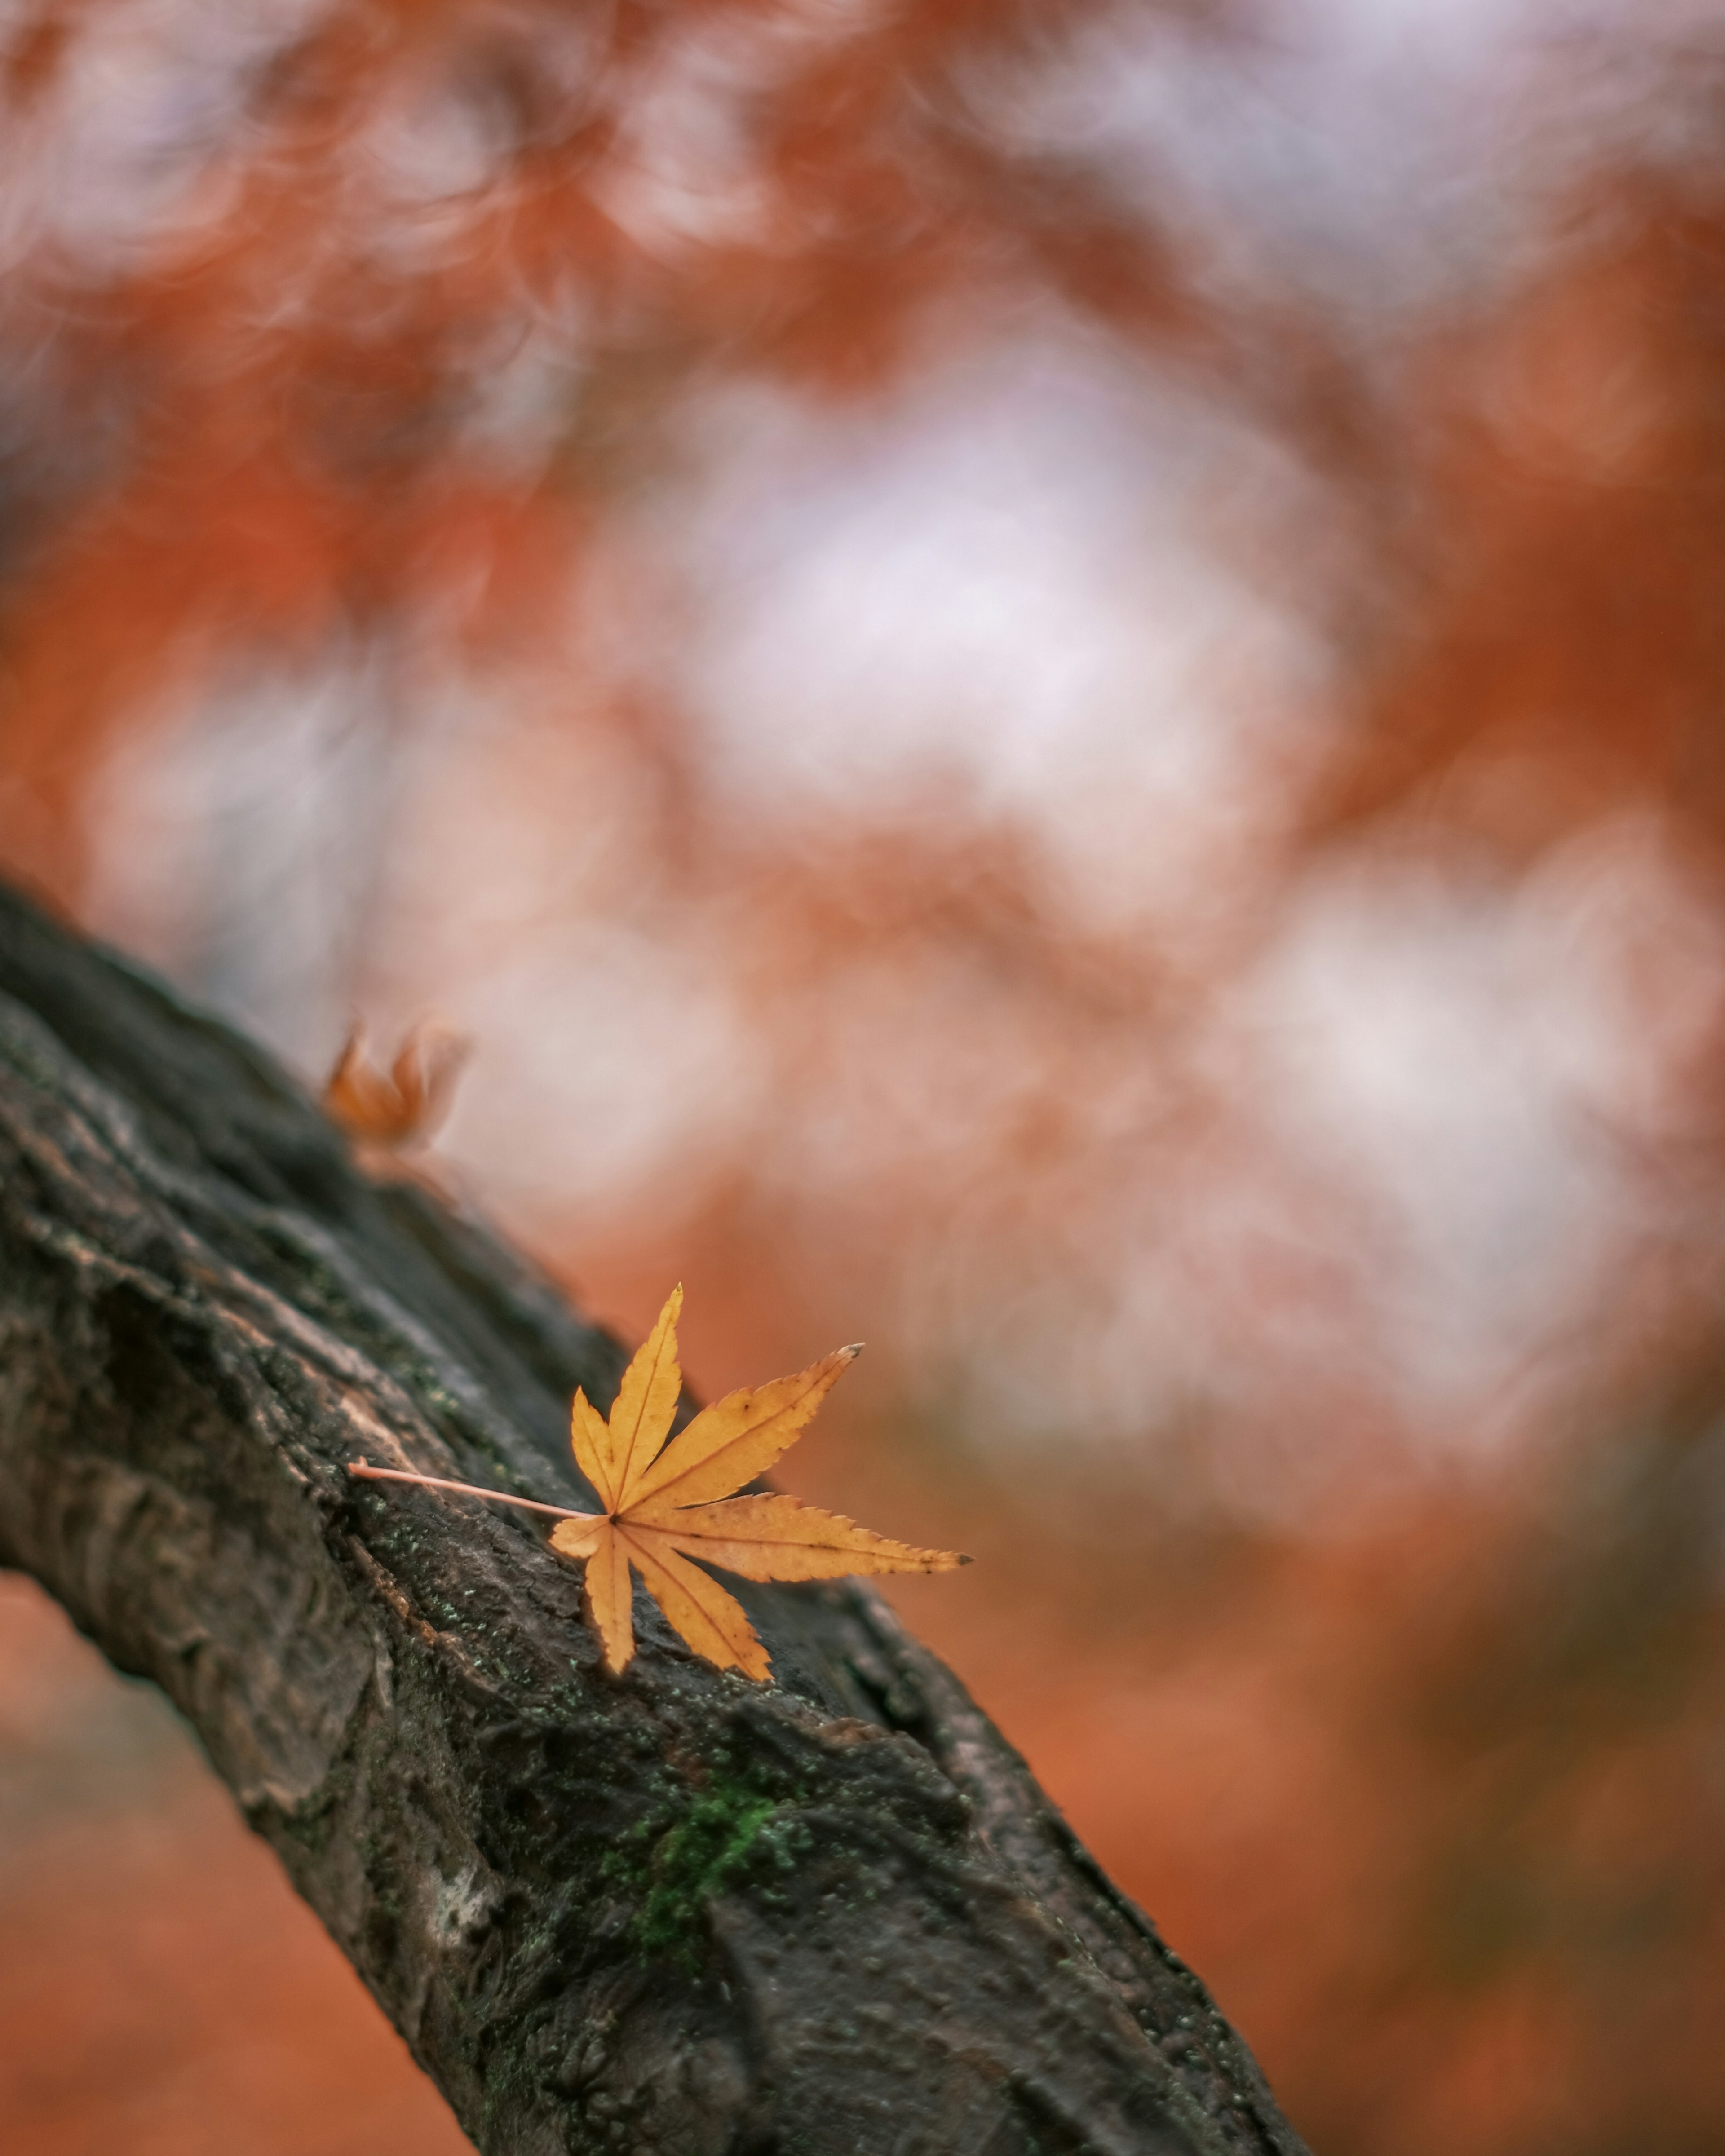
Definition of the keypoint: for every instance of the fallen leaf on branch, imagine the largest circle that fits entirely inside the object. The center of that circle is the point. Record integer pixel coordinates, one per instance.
(404, 1106)
(661, 1510)
(668, 1503)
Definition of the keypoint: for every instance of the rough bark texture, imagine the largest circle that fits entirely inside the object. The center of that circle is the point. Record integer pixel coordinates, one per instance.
(677, 1912)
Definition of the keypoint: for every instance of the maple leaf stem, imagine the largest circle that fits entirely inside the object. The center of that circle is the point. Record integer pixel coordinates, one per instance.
(363, 1472)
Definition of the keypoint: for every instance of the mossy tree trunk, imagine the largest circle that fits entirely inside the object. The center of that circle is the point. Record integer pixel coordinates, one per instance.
(677, 1911)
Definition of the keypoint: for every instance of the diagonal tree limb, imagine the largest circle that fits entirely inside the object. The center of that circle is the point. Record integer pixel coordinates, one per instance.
(677, 1912)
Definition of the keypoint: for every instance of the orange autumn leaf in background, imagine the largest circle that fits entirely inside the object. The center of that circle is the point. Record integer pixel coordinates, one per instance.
(666, 1503)
(404, 1104)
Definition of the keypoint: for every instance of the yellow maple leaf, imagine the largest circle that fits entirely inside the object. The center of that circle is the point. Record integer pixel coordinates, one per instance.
(668, 1503)
(661, 1510)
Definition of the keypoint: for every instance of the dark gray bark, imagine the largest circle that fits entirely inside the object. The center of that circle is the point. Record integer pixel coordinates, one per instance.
(675, 1912)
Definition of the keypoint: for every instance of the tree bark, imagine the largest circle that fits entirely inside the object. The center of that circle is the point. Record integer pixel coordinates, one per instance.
(677, 1911)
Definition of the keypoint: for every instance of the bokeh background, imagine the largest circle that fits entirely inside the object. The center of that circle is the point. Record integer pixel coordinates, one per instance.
(1047, 678)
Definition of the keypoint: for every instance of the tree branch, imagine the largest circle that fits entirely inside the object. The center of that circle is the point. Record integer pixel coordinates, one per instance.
(675, 1912)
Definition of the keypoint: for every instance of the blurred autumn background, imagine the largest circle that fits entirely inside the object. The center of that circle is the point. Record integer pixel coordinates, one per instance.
(1047, 680)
